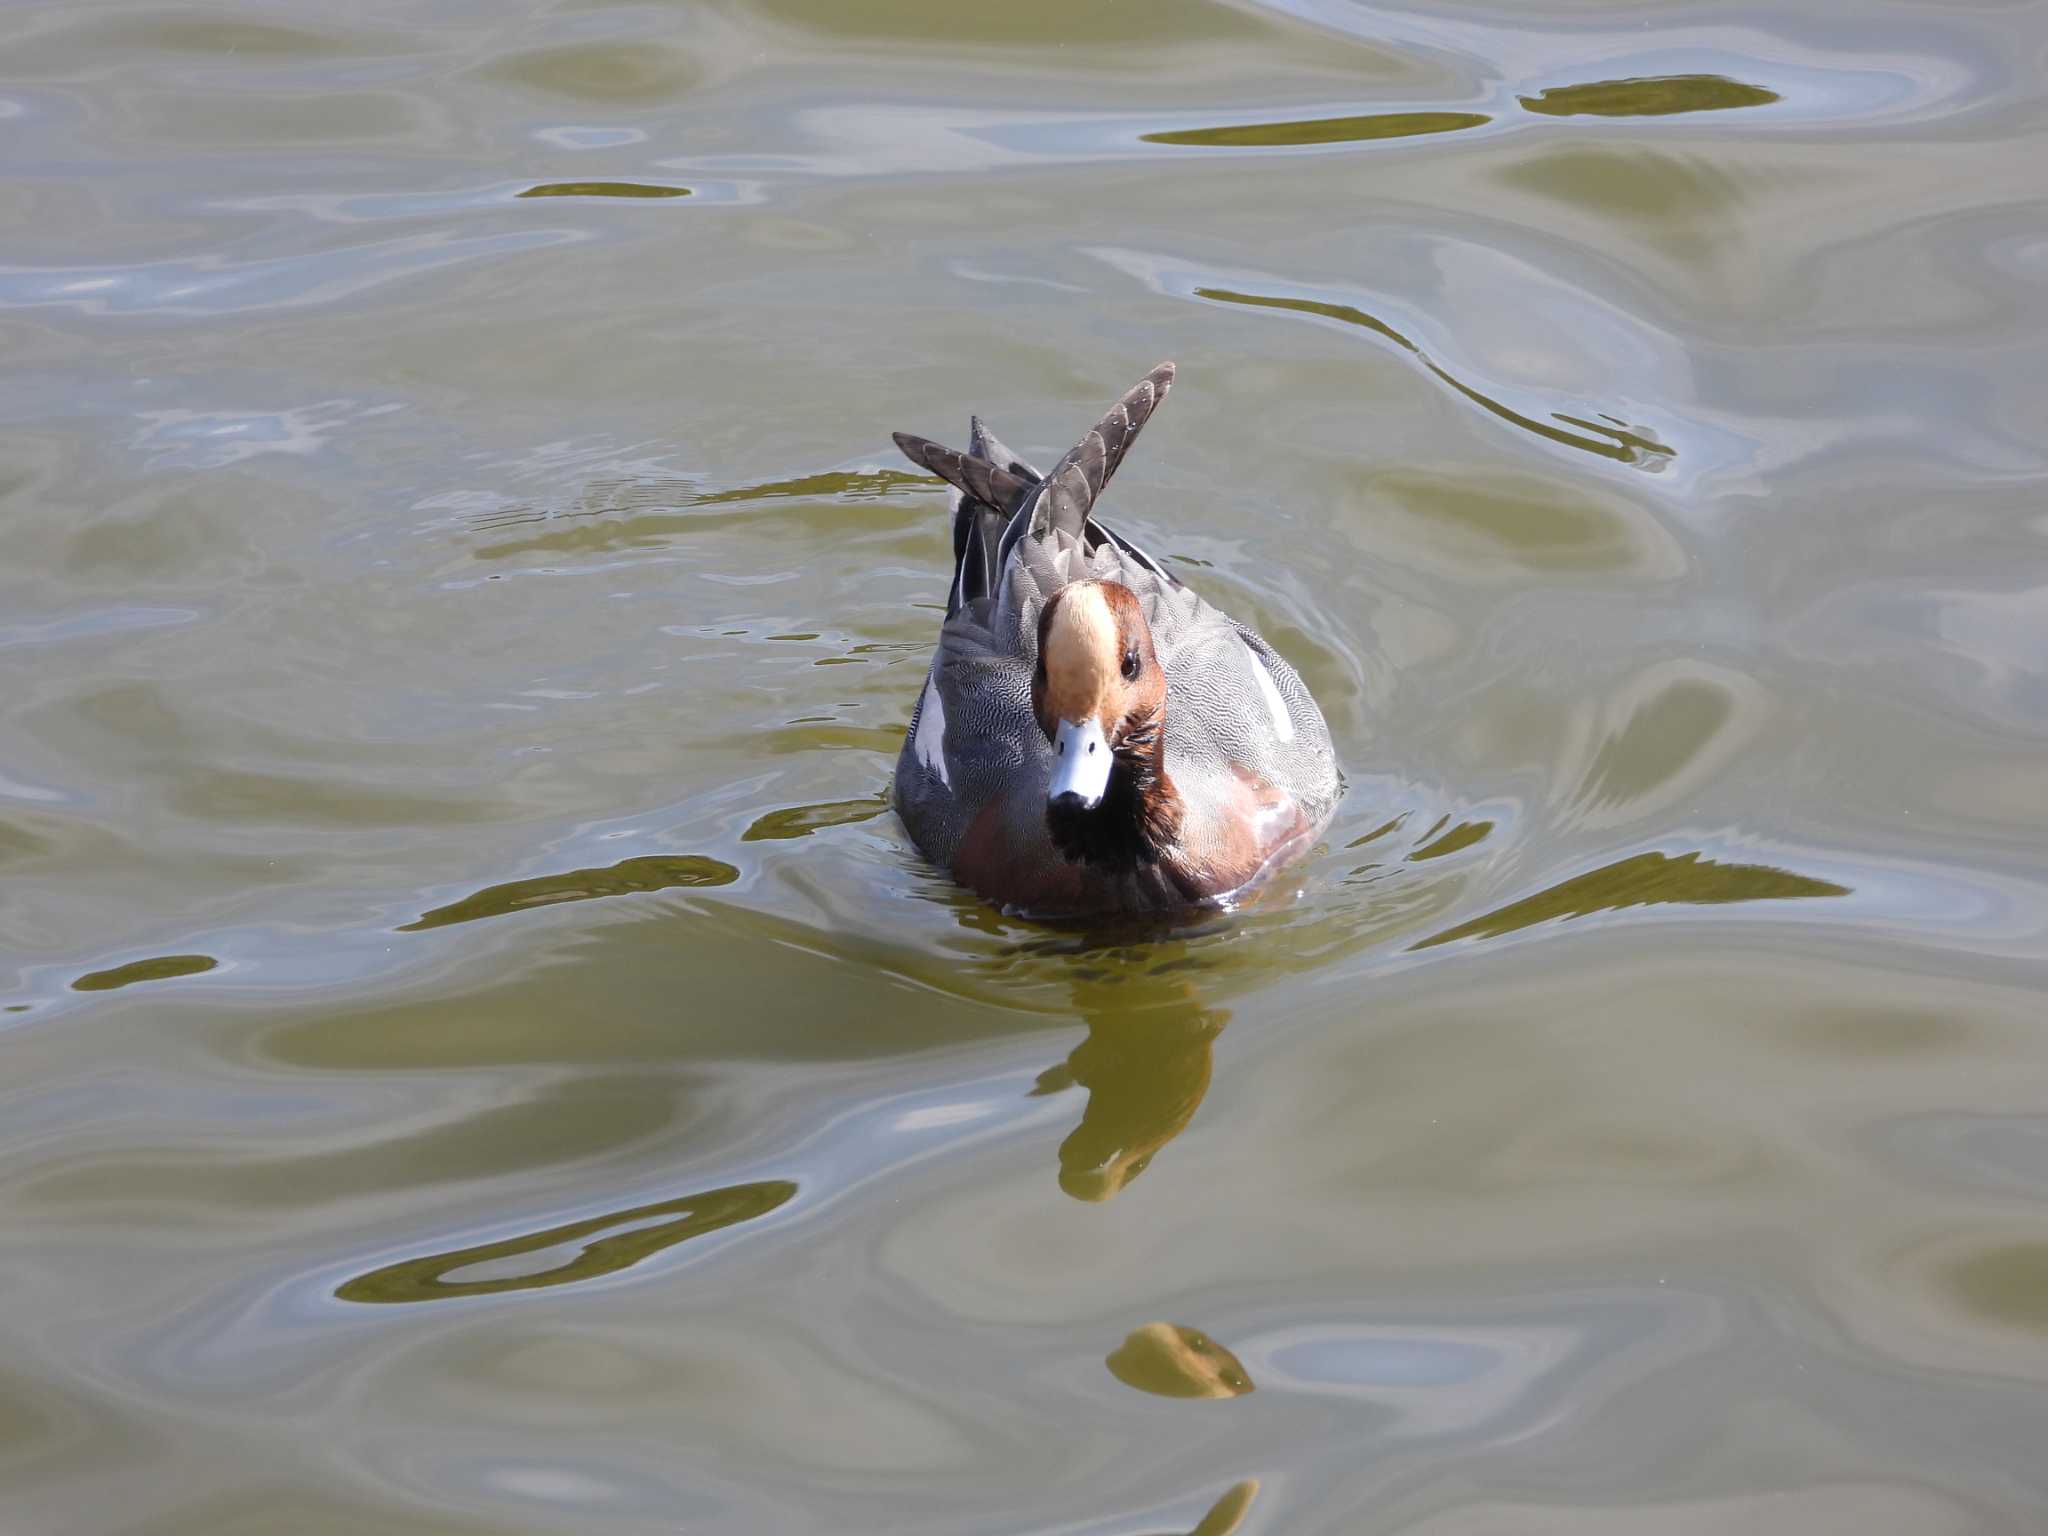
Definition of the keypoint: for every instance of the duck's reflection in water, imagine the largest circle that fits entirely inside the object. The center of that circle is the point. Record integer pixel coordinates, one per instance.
(1169, 1360)
(1145, 1070)
(1228, 1512)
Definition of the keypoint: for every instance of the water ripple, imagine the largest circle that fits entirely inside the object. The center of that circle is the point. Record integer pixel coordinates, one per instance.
(1321, 130)
(1647, 879)
(652, 872)
(381, 207)
(635, 1234)
(1656, 96)
(1602, 434)
(211, 285)
(160, 968)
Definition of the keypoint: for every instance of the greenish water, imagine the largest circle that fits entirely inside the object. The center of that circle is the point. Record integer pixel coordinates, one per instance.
(478, 1054)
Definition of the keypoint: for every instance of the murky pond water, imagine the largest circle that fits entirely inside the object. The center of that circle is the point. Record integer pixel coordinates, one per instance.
(479, 1054)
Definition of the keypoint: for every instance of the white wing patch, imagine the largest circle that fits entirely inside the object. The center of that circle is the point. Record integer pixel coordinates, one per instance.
(1283, 722)
(931, 732)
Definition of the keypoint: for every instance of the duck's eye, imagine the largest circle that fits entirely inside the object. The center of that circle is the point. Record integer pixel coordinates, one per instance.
(1130, 666)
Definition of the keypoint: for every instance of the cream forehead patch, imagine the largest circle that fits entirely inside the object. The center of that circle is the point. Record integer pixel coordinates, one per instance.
(1080, 651)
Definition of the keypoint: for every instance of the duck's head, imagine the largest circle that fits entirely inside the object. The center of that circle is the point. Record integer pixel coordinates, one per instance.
(1100, 697)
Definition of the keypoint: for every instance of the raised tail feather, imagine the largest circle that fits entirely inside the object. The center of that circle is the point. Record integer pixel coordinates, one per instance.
(978, 526)
(1003, 499)
(1079, 477)
(982, 443)
(988, 492)
(972, 474)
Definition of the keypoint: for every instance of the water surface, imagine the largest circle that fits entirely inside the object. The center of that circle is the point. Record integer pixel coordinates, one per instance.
(479, 1054)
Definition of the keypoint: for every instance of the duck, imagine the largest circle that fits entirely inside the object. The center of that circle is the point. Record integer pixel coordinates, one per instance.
(1093, 738)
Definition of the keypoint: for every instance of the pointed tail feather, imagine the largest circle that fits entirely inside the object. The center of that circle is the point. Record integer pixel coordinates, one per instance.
(987, 493)
(1120, 427)
(1003, 499)
(1077, 480)
(983, 444)
(973, 475)
(978, 528)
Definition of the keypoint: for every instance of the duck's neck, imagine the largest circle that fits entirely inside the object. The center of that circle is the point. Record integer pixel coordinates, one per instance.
(1138, 821)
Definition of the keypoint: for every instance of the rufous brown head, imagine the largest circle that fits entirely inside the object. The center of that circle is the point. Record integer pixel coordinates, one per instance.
(1098, 690)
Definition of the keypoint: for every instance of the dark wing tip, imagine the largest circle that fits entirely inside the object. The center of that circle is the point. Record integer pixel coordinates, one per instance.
(973, 475)
(1144, 397)
(916, 449)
